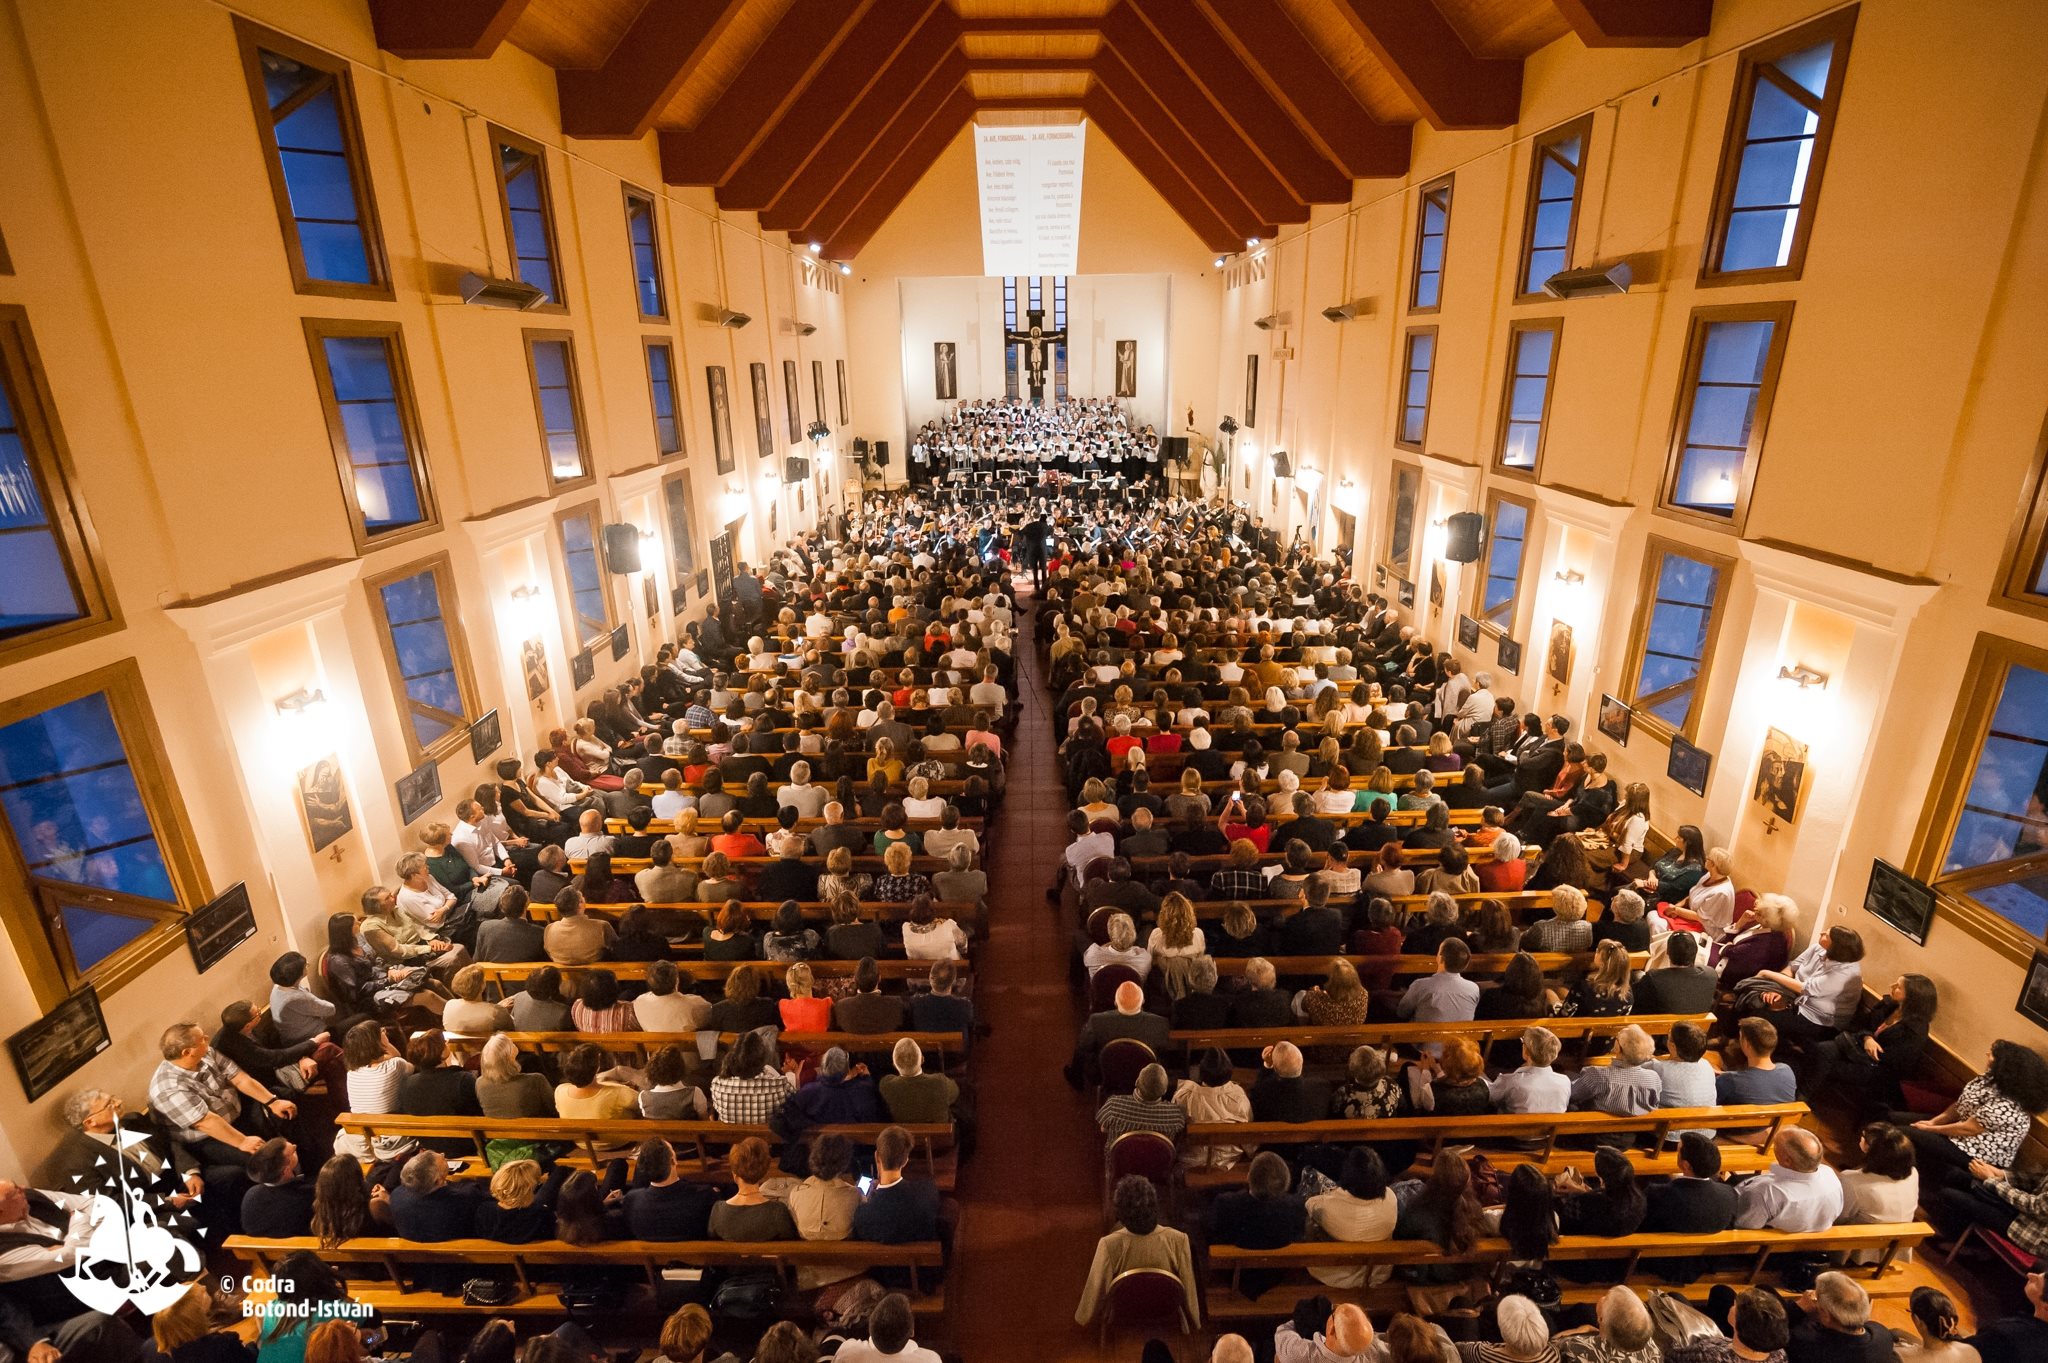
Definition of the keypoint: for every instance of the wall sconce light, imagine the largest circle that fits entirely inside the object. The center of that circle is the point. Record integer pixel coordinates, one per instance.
(299, 701)
(1571, 577)
(525, 593)
(735, 487)
(1802, 676)
(1345, 482)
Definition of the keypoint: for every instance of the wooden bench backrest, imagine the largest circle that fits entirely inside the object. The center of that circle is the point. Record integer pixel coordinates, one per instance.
(1498, 1125)
(1415, 1033)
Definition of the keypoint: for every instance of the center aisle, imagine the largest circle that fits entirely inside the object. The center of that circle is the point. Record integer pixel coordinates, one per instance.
(1031, 1208)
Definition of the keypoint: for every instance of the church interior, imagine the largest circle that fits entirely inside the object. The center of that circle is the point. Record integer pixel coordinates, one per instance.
(686, 679)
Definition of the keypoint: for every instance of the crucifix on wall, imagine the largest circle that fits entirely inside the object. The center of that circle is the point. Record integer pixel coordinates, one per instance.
(1037, 341)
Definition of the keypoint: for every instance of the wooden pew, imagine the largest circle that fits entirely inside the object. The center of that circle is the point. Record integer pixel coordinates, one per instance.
(515, 972)
(1484, 1034)
(763, 910)
(532, 1265)
(642, 1044)
(1490, 963)
(590, 1135)
(1229, 1303)
(870, 826)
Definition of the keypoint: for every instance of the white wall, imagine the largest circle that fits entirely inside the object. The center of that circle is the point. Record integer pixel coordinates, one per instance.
(1105, 309)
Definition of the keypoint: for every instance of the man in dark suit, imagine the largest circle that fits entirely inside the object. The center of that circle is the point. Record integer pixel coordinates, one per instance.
(1696, 1202)
(88, 1160)
(867, 1009)
(1402, 757)
(836, 832)
(426, 1207)
(636, 841)
(511, 937)
(898, 1211)
(1201, 1009)
(789, 877)
(1308, 827)
(1283, 1095)
(279, 1202)
(1204, 757)
(939, 1009)
(1681, 987)
(1198, 837)
(1144, 840)
(1259, 1004)
(552, 878)
(1264, 1216)
(1127, 1021)
(662, 1205)
(1118, 890)
(1315, 930)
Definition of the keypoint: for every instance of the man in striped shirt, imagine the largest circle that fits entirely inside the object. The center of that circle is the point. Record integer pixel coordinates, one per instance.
(1144, 1109)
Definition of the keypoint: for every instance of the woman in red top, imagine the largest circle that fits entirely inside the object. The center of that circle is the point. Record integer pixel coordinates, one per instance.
(734, 839)
(558, 739)
(800, 1011)
(1247, 820)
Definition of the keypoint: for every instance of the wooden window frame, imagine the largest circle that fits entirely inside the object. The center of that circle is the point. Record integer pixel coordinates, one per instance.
(593, 512)
(1402, 568)
(2026, 546)
(49, 459)
(1583, 127)
(1840, 25)
(679, 544)
(635, 196)
(1487, 623)
(443, 570)
(1401, 394)
(25, 916)
(504, 137)
(1976, 699)
(648, 344)
(529, 336)
(249, 37)
(6, 260)
(1443, 185)
(1555, 326)
(1655, 550)
(1779, 314)
(318, 330)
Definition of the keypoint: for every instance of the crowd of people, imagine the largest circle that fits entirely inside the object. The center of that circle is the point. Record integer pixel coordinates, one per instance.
(1072, 437)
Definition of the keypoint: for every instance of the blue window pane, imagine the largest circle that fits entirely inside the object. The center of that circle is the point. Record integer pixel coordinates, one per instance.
(1772, 174)
(426, 659)
(1525, 401)
(551, 364)
(1688, 580)
(1735, 352)
(40, 591)
(314, 126)
(1809, 68)
(1532, 351)
(1674, 709)
(559, 431)
(1432, 255)
(1758, 239)
(72, 804)
(2005, 810)
(533, 254)
(1418, 388)
(1553, 223)
(379, 453)
(1708, 480)
(319, 177)
(1421, 349)
(361, 366)
(586, 580)
(1519, 450)
(95, 935)
(557, 410)
(2041, 577)
(1542, 265)
(1675, 643)
(2024, 903)
(318, 184)
(1510, 522)
(1504, 556)
(1722, 416)
(1428, 289)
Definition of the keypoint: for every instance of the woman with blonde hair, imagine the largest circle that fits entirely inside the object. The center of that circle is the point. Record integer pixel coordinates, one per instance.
(1759, 940)
(885, 763)
(1379, 790)
(803, 1011)
(686, 841)
(919, 802)
(1441, 755)
(1340, 1001)
(1121, 949)
(840, 878)
(1605, 991)
(1095, 801)
(521, 1209)
(1190, 801)
(1177, 934)
(716, 882)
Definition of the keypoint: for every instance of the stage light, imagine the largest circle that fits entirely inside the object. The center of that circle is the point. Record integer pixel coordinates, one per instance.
(816, 247)
(845, 268)
(1251, 243)
(1220, 261)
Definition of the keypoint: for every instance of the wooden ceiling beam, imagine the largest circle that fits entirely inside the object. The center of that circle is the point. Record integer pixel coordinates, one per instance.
(1041, 27)
(871, 205)
(1127, 37)
(1431, 63)
(792, 53)
(864, 146)
(1165, 175)
(1637, 23)
(1267, 127)
(921, 32)
(1121, 86)
(443, 30)
(1296, 75)
(623, 97)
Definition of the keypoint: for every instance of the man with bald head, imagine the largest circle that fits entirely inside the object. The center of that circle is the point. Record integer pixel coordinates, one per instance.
(1348, 1334)
(1799, 1192)
(1128, 1020)
(1283, 1095)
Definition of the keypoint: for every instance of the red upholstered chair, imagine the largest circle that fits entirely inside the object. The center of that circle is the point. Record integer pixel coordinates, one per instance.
(1103, 986)
(1098, 924)
(2002, 1249)
(1142, 1299)
(1119, 1064)
(1147, 1154)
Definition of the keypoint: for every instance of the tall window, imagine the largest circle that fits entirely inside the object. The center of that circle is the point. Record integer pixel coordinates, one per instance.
(1984, 836)
(313, 149)
(661, 392)
(1731, 374)
(1404, 495)
(53, 591)
(1011, 354)
(645, 242)
(1059, 322)
(682, 526)
(590, 603)
(420, 627)
(551, 360)
(1507, 533)
(2026, 552)
(1525, 403)
(1418, 364)
(94, 833)
(1432, 234)
(529, 212)
(1672, 646)
(360, 370)
(1786, 96)
(1555, 178)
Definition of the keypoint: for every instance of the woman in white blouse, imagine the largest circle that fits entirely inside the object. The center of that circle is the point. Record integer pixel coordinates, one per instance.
(596, 754)
(1885, 1188)
(1177, 933)
(1213, 1096)
(928, 937)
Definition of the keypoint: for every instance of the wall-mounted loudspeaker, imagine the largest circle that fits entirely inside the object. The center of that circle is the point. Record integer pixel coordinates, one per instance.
(622, 548)
(860, 450)
(1465, 532)
(1173, 449)
(1283, 466)
(881, 454)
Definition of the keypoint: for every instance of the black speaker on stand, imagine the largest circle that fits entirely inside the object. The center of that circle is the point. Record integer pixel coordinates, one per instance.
(1464, 535)
(622, 548)
(881, 454)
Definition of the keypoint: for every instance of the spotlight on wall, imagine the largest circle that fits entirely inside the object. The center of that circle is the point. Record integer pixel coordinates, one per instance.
(1571, 577)
(1802, 676)
(1345, 482)
(1590, 282)
(1251, 243)
(816, 247)
(1351, 311)
(845, 268)
(734, 486)
(300, 701)
(803, 328)
(819, 432)
(1221, 260)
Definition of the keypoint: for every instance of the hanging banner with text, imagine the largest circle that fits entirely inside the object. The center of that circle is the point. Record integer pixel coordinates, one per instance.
(1030, 198)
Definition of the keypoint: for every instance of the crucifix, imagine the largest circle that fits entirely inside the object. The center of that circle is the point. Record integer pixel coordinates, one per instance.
(1035, 339)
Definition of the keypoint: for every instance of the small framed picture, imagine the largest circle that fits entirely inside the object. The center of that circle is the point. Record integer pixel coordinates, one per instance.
(1468, 632)
(1615, 718)
(60, 1041)
(1407, 593)
(582, 669)
(485, 736)
(1379, 574)
(2033, 1004)
(679, 598)
(1689, 765)
(419, 790)
(1508, 654)
(622, 643)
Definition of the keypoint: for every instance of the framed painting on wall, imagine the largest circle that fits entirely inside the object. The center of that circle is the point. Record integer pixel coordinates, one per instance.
(1127, 369)
(533, 663)
(1689, 765)
(1251, 390)
(1468, 631)
(764, 419)
(1615, 718)
(845, 411)
(793, 402)
(1780, 775)
(419, 790)
(817, 390)
(486, 735)
(1507, 654)
(324, 802)
(945, 371)
(722, 452)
